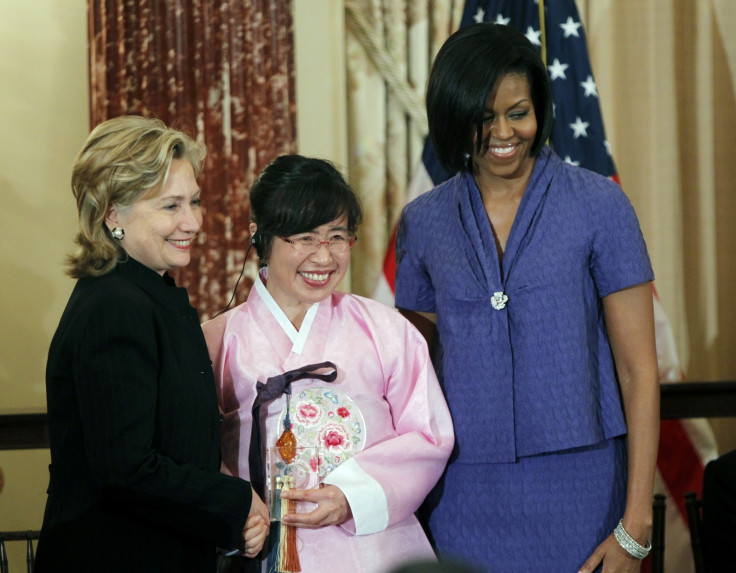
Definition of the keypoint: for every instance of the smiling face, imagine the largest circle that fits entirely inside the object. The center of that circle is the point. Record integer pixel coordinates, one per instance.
(159, 230)
(509, 128)
(297, 281)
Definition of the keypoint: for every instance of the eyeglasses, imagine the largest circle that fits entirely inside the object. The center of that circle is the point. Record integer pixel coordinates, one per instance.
(308, 244)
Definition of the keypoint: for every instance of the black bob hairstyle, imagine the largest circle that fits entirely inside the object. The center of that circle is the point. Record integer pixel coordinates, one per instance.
(465, 72)
(296, 194)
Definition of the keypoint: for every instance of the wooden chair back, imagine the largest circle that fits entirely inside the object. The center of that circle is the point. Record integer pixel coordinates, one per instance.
(28, 537)
(694, 508)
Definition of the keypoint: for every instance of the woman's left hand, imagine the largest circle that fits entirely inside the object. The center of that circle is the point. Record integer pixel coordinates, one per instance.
(614, 557)
(332, 507)
(256, 526)
(254, 535)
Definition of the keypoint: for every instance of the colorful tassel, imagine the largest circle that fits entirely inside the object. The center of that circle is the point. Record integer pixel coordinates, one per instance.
(284, 555)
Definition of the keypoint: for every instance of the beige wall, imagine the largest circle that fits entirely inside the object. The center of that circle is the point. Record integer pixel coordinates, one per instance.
(319, 28)
(43, 102)
(43, 106)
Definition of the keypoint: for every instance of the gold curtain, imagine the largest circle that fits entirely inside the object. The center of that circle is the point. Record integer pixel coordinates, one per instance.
(390, 46)
(221, 71)
(666, 73)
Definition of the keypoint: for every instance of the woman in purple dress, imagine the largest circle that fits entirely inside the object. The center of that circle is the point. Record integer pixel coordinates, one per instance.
(531, 277)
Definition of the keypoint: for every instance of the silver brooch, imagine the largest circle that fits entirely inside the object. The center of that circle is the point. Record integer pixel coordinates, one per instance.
(499, 300)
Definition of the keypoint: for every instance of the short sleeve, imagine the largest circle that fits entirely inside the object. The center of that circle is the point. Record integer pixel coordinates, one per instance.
(413, 288)
(619, 253)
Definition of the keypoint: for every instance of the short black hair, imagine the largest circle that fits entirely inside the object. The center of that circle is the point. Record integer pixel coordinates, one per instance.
(295, 194)
(465, 72)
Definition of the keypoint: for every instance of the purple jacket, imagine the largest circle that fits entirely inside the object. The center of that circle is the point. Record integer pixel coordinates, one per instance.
(536, 375)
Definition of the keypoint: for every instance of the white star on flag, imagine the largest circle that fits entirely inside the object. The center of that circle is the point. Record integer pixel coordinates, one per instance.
(570, 27)
(533, 36)
(569, 160)
(501, 20)
(579, 128)
(590, 87)
(479, 15)
(557, 70)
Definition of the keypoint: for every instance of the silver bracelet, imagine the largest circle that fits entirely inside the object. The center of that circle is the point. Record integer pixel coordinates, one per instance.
(630, 544)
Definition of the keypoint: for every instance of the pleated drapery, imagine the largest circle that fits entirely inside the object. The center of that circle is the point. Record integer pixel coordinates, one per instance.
(390, 47)
(222, 72)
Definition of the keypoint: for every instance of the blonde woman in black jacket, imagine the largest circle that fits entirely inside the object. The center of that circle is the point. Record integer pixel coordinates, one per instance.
(134, 424)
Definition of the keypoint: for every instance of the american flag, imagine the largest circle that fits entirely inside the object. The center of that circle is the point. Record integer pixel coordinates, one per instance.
(577, 134)
(578, 137)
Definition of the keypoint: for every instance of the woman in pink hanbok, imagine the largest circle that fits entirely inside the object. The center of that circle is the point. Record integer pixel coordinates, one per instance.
(351, 425)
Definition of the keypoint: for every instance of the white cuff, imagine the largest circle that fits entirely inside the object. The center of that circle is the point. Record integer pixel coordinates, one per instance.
(365, 495)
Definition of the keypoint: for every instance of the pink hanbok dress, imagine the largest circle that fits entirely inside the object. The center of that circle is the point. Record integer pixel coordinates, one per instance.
(383, 426)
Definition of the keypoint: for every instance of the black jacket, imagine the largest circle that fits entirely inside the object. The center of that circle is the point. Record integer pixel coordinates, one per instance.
(134, 429)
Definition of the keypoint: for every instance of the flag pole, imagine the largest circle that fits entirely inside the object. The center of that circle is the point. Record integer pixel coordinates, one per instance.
(542, 32)
(543, 38)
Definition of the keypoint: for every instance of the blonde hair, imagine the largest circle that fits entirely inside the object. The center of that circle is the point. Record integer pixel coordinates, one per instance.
(123, 160)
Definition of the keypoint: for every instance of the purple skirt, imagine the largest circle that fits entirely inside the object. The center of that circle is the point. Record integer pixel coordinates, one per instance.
(544, 513)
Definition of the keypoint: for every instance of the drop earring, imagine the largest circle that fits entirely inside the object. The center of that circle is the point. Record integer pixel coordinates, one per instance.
(117, 233)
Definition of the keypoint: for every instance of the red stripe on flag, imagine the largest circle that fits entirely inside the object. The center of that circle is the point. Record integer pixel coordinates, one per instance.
(679, 463)
(389, 262)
